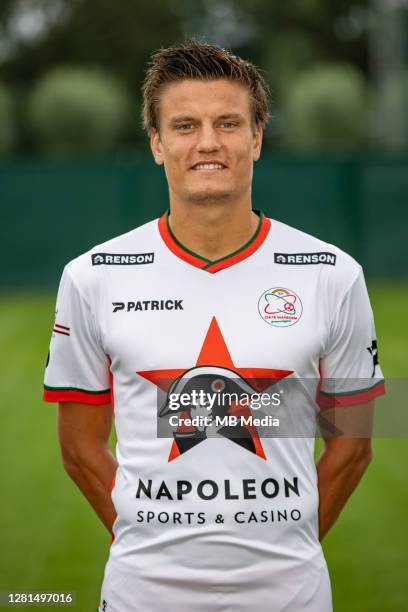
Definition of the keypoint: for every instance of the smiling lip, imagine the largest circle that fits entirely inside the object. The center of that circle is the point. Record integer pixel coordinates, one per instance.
(208, 166)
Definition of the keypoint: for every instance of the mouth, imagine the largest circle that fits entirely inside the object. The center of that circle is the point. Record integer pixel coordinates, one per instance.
(208, 166)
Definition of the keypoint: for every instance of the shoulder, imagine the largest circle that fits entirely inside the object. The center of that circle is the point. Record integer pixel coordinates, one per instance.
(295, 248)
(85, 271)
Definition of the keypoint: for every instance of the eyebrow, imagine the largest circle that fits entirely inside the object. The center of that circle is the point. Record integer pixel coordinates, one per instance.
(181, 118)
(237, 116)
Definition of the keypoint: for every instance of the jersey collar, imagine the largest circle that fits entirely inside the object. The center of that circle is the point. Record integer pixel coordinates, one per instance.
(198, 261)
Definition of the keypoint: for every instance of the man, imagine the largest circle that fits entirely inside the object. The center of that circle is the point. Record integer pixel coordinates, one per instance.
(209, 513)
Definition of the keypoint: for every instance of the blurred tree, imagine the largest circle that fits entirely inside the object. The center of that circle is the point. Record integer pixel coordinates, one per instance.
(389, 55)
(393, 103)
(326, 109)
(6, 7)
(118, 36)
(7, 121)
(330, 26)
(78, 110)
(121, 35)
(282, 37)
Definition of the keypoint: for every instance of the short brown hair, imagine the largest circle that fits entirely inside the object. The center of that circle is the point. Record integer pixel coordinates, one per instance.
(194, 59)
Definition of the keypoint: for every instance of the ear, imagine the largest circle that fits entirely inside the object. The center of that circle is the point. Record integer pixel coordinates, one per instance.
(257, 145)
(156, 146)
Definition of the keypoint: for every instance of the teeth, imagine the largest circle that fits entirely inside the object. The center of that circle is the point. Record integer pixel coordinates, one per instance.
(208, 166)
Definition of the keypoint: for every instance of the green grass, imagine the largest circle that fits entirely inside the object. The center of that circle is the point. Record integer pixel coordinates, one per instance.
(52, 541)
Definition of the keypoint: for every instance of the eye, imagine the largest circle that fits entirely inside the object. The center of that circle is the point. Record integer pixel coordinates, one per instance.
(228, 124)
(184, 127)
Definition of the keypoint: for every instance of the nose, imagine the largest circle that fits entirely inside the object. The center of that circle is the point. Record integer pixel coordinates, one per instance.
(208, 139)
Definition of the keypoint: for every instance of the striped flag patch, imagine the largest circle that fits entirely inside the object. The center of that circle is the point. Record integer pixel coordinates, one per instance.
(61, 329)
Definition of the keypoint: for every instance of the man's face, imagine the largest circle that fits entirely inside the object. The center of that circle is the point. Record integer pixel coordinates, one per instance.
(206, 140)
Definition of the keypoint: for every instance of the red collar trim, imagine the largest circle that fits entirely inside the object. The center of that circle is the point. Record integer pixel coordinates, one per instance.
(220, 264)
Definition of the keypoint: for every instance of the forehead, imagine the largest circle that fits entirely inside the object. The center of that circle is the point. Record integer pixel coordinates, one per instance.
(195, 97)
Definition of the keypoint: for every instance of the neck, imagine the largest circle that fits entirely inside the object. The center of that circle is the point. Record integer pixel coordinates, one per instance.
(213, 230)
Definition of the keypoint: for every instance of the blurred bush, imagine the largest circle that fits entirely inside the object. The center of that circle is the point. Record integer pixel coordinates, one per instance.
(325, 109)
(7, 121)
(390, 119)
(78, 110)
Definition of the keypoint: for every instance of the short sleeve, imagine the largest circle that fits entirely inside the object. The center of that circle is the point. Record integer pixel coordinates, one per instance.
(350, 370)
(77, 368)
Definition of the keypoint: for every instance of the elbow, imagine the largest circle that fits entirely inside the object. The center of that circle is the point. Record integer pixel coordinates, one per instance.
(70, 460)
(363, 456)
(80, 458)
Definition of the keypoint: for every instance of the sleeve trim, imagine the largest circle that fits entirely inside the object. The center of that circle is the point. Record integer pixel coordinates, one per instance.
(350, 398)
(76, 389)
(71, 394)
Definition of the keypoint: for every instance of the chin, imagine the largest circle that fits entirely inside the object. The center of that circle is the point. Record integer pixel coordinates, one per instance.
(209, 195)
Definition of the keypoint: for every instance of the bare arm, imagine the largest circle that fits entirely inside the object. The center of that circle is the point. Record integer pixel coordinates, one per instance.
(83, 432)
(343, 461)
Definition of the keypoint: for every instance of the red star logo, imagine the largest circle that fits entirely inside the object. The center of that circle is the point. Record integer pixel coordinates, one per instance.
(214, 352)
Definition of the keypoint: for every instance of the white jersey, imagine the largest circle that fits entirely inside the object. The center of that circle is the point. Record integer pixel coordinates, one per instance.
(217, 503)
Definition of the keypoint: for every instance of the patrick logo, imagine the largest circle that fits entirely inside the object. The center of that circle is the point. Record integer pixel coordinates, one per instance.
(280, 307)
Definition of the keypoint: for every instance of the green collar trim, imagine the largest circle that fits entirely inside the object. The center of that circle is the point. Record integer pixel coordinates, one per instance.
(210, 262)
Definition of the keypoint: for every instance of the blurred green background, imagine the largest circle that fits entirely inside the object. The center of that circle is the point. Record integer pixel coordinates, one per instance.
(75, 170)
